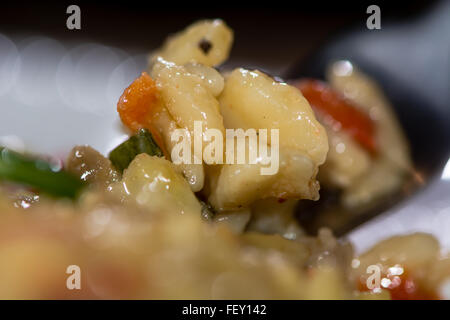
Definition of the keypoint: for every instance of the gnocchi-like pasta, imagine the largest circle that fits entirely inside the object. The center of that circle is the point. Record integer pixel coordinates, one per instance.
(207, 42)
(212, 79)
(346, 161)
(154, 183)
(406, 263)
(251, 99)
(370, 177)
(186, 97)
(358, 87)
(166, 126)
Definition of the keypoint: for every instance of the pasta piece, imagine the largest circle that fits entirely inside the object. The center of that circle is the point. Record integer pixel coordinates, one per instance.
(193, 173)
(236, 220)
(207, 42)
(406, 264)
(187, 98)
(212, 79)
(414, 251)
(346, 161)
(365, 93)
(393, 162)
(274, 216)
(382, 179)
(153, 183)
(296, 251)
(252, 100)
(238, 185)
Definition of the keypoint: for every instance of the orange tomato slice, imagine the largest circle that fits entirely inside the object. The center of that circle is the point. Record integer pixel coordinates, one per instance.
(138, 103)
(328, 103)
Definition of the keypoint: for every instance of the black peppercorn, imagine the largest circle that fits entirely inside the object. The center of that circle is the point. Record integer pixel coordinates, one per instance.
(205, 45)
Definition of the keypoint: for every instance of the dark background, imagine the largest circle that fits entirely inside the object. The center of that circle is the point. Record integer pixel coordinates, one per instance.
(143, 25)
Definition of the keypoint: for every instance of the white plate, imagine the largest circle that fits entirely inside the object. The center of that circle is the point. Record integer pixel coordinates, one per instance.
(55, 95)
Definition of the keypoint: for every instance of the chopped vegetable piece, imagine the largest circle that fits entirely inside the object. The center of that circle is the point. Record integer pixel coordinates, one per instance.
(38, 174)
(339, 111)
(91, 166)
(138, 103)
(142, 142)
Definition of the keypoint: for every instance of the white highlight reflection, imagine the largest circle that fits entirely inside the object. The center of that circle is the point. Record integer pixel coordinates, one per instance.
(446, 172)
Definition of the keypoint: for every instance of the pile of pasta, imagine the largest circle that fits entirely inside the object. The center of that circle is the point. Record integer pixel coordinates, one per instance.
(203, 230)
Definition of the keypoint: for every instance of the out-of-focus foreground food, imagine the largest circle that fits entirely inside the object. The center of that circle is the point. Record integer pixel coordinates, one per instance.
(141, 224)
